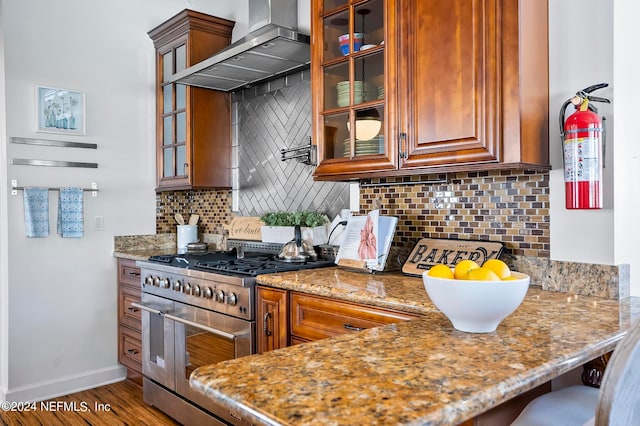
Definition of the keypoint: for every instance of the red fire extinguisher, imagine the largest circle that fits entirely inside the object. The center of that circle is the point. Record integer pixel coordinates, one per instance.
(583, 143)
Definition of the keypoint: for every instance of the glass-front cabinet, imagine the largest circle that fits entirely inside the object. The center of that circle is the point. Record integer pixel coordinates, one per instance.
(350, 81)
(193, 124)
(174, 115)
(429, 86)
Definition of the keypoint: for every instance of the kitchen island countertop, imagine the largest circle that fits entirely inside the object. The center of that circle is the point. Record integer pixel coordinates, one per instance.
(415, 372)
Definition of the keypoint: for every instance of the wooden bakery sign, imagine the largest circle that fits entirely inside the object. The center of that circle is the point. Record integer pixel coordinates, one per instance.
(431, 251)
(245, 228)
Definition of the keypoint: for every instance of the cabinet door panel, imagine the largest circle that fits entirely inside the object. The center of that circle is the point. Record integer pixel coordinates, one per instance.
(272, 319)
(451, 69)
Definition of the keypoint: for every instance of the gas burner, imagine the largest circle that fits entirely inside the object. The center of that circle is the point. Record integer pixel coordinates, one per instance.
(257, 265)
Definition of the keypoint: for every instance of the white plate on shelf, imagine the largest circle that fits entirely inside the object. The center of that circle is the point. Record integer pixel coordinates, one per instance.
(367, 46)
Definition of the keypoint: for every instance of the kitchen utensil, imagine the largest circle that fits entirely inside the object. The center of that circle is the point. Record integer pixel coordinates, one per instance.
(179, 219)
(193, 219)
(297, 250)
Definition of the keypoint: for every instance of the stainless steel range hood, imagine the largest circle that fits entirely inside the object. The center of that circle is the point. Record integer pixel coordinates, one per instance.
(273, 47)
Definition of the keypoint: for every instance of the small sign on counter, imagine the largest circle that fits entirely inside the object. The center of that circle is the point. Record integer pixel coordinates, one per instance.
(245, 228)
(432, 251)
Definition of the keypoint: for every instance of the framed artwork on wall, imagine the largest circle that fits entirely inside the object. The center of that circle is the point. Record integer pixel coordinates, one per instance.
(60, 111)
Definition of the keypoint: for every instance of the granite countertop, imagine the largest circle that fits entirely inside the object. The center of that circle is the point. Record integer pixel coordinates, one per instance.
(142, 254)
(414, 372)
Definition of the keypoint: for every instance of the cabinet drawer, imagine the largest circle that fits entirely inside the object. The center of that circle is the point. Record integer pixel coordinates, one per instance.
(315, 317)
(130, 349)
(128, 273)
(127, 314)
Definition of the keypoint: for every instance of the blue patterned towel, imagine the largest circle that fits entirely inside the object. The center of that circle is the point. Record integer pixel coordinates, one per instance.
(36, 212)
(70, 213)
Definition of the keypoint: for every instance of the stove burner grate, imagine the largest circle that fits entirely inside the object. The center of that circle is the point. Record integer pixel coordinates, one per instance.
(257, 266)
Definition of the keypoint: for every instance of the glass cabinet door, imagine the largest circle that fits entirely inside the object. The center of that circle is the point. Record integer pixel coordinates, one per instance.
(174, 116)
(353, 79)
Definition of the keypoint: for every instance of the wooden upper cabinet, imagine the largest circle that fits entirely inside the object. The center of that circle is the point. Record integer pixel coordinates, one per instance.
(466, 88)
(193, 125)
(449, 73)
(353, 87)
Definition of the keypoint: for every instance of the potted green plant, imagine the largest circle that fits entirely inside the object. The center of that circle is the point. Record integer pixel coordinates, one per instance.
(279, 226)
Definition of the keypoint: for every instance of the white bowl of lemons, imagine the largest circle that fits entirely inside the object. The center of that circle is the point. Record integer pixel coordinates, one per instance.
(476, 298)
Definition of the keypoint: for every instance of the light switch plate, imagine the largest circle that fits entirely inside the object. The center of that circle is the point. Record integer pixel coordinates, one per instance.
(98, 223)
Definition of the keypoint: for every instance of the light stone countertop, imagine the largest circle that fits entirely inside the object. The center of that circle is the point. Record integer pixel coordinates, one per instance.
(414, 372)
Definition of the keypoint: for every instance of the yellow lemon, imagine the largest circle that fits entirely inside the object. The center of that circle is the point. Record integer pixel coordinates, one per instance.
(482, 274)
(509, 278)
(499, 267)
(463, 268)
(440, 271)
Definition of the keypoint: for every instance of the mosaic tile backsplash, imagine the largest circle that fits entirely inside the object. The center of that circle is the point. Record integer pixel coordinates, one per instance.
(507, 206)
(213, 206)
(512, 207)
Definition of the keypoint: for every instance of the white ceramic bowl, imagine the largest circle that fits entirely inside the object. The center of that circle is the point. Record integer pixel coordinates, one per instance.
(476, 306)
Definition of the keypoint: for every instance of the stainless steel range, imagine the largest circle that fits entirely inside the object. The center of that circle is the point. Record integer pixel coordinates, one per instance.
(199, 309)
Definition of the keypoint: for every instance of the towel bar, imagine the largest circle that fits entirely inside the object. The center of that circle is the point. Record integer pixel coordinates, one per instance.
(15, 188)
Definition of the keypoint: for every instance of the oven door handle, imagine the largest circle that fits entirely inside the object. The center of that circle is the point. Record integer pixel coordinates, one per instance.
(147, 308)
(215, 331)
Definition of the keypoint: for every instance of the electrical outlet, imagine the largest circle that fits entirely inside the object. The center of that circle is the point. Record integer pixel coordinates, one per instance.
(98, 223)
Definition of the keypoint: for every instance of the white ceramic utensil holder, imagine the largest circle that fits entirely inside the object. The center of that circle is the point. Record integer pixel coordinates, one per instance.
(187, 234)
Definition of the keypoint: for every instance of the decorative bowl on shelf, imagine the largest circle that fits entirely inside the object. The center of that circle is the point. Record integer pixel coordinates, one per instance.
(476, 306)
(344, 42)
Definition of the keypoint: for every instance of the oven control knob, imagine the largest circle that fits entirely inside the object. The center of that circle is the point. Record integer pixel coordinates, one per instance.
(208, 293)
(156, 282)
(186, 288)
(166, 283)
(220, 296)
(232, 299)
(148, 280)
(177, 285)
(196, 290)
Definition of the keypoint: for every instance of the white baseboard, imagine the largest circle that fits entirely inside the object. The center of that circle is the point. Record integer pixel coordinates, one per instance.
(66, 385)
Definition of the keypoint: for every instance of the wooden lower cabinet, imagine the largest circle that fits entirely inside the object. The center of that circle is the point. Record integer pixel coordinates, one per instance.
(129, 320)
(290, 318)
(272, 316)
(315, 317)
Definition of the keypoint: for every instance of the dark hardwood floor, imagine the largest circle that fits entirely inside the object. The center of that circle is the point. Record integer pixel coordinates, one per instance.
(116, 404)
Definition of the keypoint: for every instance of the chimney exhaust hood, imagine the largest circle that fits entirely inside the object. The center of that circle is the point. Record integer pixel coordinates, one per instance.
(272, 48)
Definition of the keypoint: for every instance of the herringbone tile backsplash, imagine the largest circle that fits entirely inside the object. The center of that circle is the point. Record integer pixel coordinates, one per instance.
(266, 122)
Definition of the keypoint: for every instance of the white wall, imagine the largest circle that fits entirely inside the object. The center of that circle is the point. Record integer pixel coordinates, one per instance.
(58, 296)
(4, 241)
(626, 55)
(579, 235)
(589, 43)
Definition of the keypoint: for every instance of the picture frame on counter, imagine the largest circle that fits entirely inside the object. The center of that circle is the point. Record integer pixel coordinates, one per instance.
(60, 111)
